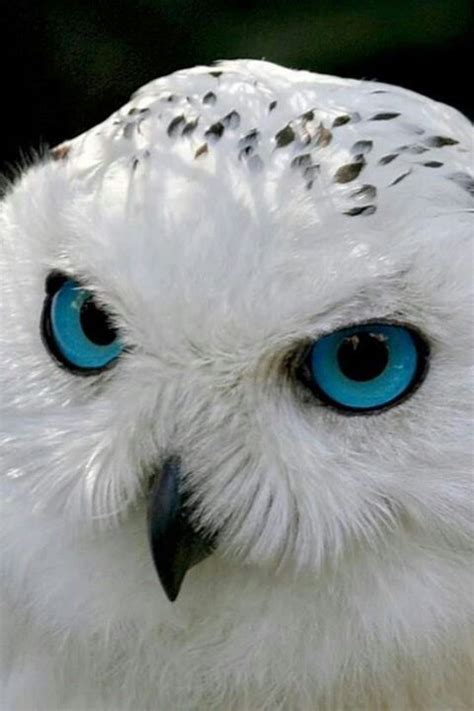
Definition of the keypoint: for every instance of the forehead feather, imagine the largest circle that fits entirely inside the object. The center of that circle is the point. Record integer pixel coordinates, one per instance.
(364, 144)
(205, 168)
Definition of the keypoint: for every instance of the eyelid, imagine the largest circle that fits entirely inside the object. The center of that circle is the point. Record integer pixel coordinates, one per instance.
(54, 282)
(387, 320)
(56, 278)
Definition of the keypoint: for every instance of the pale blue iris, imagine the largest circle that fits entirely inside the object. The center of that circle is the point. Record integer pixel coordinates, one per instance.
(387, 386)
(68, 333)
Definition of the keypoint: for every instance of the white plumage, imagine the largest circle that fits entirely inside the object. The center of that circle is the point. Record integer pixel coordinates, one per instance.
(226, 217)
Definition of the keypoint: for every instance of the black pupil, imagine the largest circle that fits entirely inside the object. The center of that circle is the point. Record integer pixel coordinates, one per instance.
(96, 325)
(363, 355)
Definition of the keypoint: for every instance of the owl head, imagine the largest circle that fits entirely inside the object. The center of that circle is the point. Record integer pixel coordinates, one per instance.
(237, 341)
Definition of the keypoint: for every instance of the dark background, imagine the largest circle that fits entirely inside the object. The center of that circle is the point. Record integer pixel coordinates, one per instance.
(67, 64)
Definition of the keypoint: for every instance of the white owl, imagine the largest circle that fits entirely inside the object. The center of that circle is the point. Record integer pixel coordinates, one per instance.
(236, 337)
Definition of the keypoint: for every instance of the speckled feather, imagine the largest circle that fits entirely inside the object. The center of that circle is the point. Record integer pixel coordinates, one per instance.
(356, 141)
(227, 218)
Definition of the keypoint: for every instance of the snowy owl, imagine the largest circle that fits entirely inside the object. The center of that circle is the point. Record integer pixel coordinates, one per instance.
(236, 455)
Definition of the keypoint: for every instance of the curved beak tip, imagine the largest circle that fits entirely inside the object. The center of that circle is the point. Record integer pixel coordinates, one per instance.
(170, 583)
(175, 544)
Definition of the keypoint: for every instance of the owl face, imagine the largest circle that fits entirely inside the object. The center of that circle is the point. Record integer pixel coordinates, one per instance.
(257, 281)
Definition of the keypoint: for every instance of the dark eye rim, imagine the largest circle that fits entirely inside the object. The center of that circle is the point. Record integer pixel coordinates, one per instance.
(54, 282)
(304, 376)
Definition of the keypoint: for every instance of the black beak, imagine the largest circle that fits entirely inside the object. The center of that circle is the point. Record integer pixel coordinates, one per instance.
(175, 545)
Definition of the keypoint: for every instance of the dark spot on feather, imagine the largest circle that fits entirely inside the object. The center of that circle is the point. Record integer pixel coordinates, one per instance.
(175, 125)
(464, 180)
(215, 131)
(307, 116)
(364, 210)
(246, 152)
(310, 171)
(414, 149)
(385, 116)
(348, 172)
(60, 152)
(385, 160)
(379, 91)
(215, 73)
(362, 147)
(250, 138)
(272, 105)
(202, 150)
(440, 141)
(341, 120)
(399, 179)
(432, 164)
(324, 136)
(301, 160)
(285, 136)
(209, 98)
(190, 126)
(134, 111)
(145, 154)
(231, 120)
(365, 192)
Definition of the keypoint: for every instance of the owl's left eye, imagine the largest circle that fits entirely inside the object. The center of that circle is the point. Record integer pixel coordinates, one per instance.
(76, 330)
(366, 367)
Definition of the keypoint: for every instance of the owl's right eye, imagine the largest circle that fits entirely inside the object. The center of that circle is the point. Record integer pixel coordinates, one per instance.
(76, 330)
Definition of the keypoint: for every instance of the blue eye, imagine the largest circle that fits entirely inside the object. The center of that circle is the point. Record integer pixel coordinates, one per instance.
(76, 330)
(366, 367)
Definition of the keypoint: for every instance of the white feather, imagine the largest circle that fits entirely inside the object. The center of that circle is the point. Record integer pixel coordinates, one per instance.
(343, 576)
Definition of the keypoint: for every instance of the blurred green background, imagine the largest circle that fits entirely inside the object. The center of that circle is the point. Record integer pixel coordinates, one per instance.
(67, 64)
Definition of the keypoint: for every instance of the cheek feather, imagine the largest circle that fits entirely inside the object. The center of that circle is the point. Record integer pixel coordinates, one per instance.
(247, 262)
